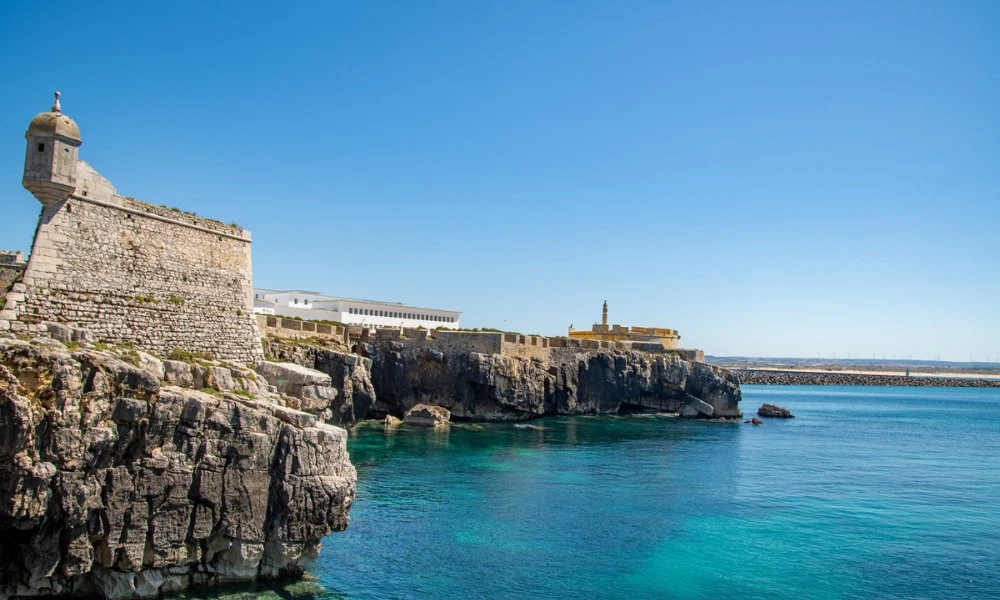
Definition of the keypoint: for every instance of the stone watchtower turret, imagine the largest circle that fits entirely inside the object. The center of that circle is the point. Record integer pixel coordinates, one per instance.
(51, 156)
(122, 270)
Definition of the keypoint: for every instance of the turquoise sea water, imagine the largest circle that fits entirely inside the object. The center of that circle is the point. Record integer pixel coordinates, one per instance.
(871, 492)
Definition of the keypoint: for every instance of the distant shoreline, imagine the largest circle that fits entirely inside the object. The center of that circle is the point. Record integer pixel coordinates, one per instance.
(776, 376)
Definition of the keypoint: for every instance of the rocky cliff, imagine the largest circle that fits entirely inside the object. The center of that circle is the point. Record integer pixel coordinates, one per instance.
(350, 377)
(114, 482)
(496, 387)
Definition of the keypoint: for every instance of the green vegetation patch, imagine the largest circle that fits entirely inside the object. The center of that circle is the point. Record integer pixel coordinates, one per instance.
(188, 356)
(130, 356)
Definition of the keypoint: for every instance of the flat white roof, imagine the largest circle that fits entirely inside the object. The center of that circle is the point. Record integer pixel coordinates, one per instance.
(323, 298)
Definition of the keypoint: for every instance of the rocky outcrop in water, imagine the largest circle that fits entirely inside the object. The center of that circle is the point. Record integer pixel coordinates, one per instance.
(496, 387)
(773, 411)
(115, 483)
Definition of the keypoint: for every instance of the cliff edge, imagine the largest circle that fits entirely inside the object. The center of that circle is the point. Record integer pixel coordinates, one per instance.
(114, 483)
(561, 381)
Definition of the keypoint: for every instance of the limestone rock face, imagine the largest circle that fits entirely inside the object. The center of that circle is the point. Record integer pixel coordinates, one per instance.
(495, 387)
(348, 375)
(390, 377)
(114, 483)
(425, 415)
(774, 412)
(290, 378)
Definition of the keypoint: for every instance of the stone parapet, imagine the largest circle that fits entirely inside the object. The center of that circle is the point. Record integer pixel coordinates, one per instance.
(297, 329)
(521, 346)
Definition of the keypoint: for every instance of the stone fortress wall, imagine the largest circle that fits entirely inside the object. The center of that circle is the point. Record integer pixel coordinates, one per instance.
(11, 267)
(131, 272)
(297, 329)
(483, 342)
(526, 347)
(463, 342)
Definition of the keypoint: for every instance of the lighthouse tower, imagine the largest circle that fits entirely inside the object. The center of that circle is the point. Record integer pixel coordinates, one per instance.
(51, 156)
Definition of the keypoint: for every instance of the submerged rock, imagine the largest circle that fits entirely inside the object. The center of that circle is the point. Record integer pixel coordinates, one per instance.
(774, 411)
(114, 483)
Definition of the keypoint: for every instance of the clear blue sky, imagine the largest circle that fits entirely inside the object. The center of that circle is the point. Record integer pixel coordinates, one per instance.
(770, 178)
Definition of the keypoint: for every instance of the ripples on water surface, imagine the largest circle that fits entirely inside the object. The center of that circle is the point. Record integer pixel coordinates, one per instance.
(869, 492)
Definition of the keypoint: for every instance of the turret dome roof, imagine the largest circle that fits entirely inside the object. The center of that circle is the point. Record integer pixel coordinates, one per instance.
(55, 122)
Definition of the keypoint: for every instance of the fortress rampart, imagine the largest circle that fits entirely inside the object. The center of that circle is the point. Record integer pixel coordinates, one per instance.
(668, 338)
(483, 342)
(11, 267)
(125, 270)
(526, 347)
(297, 329)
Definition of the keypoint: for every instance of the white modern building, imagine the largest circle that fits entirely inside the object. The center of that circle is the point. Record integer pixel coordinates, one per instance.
(373, 313)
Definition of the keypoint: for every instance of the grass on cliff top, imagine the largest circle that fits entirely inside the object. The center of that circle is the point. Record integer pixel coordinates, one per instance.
(125, 352)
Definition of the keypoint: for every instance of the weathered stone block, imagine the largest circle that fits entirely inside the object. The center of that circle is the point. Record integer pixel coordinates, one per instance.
(150, 363)
(294, 417)
(178, 373)
(698, 406)
(220, 378)
(290, 377)
(60, 333)
(128, 410)
(426, 415)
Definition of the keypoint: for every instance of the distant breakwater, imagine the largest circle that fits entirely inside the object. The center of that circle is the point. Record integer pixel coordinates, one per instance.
(769, 377)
